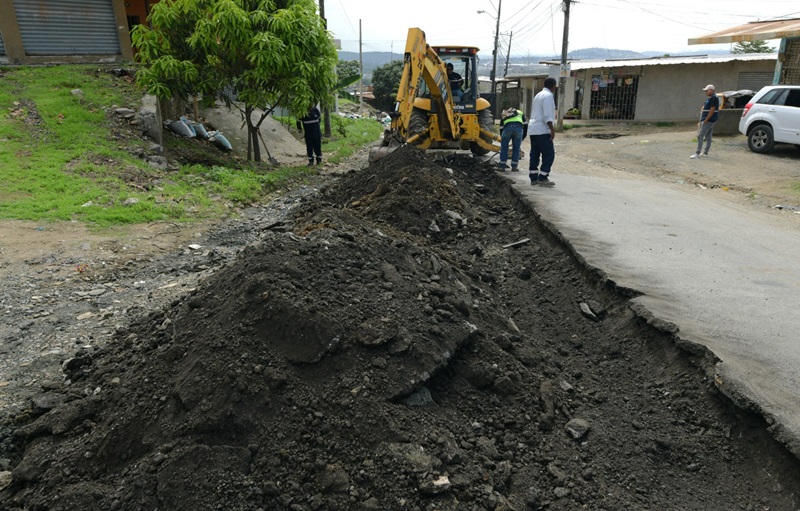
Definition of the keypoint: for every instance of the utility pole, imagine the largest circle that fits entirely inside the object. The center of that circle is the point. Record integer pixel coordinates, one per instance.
(326, 112)
(494, 59)
(360, 72)
(508, 53)
(562, 80)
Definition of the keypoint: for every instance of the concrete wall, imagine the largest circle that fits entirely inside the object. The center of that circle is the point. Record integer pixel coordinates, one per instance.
(530, 86)
(674, 93)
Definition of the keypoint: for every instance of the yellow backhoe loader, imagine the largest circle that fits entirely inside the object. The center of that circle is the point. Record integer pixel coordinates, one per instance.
(431, 111)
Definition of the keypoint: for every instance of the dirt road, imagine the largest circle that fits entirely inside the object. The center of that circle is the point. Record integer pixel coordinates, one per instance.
(407, 338)
(731, 172)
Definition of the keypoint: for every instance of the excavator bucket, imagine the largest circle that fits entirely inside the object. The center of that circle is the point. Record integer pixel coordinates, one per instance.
(376, 153)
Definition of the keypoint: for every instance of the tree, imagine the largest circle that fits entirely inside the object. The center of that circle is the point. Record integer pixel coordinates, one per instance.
(752, 47)
(265, 53)
(347, 68)
(385, 82)
(348, 72)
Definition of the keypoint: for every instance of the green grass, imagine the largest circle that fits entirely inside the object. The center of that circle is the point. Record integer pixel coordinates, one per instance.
(664, 124)
(354, 134)
(348, 136)
(60, 160)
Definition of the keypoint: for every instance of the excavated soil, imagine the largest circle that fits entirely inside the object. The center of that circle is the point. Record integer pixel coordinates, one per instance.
(410, 338)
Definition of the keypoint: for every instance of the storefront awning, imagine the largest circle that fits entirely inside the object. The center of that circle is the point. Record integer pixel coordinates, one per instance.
(754, 31)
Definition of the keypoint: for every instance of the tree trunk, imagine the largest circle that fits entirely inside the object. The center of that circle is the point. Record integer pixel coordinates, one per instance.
(252, 135)
(326, 115)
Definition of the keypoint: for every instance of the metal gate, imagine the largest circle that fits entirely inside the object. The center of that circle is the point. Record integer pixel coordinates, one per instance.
(613, 97)
(62, 27)
(2, 48)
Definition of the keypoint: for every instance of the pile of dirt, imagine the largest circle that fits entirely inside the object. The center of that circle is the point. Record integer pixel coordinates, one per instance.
(413, 340)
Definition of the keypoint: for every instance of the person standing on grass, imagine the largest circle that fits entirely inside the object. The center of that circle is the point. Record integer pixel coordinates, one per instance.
(708, 117)
(542, 132)
(312, 133)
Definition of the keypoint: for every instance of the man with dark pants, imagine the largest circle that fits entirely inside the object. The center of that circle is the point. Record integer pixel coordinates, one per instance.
(312, 134)
(708, 117)
(512, 126)
(542, 131)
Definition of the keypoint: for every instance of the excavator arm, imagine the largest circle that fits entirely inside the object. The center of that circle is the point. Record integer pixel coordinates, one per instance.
(422, 63)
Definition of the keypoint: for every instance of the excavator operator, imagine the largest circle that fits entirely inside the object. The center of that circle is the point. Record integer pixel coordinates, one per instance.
(455, 82)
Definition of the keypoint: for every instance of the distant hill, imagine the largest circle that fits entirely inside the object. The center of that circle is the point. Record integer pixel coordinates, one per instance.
(518, 64)
(603, 53)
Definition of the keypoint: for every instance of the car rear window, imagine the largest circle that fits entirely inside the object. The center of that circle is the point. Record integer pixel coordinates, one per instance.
(773, 97)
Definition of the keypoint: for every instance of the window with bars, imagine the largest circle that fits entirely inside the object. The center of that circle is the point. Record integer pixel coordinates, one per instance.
(613, 97)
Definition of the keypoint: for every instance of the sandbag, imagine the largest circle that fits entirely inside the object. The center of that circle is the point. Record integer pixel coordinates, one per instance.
(181, 128)
(189, 123)
(221, 142)
(200, 131)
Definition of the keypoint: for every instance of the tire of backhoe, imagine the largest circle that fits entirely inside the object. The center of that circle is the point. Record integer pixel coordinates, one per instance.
(477, 150)
(418, 122)
(486, 120)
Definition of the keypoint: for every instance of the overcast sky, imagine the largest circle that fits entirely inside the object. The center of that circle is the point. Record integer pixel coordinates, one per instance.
(537, 25)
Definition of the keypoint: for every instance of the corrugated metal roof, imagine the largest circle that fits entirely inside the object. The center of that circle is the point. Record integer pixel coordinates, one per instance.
(577, 65)
(753, 31)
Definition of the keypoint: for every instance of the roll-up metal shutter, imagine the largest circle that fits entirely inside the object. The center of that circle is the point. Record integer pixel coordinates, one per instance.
(754, 80)
(62, 27)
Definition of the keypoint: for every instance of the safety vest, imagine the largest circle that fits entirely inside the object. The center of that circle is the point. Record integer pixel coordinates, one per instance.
(517, 117)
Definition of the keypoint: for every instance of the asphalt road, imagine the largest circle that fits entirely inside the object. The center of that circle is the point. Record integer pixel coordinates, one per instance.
(725, 274)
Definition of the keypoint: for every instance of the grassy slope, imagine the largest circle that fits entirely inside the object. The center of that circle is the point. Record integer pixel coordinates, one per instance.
(61, 160)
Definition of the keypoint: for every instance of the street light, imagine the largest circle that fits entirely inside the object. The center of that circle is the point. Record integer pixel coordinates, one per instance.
(494, 53)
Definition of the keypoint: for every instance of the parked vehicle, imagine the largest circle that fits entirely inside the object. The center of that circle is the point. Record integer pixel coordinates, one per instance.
(772, 116)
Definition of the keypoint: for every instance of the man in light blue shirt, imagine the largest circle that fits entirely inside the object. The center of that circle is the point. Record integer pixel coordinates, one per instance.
(541, 130)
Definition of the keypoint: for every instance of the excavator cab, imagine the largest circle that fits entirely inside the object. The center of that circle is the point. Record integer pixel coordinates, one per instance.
(465, 65)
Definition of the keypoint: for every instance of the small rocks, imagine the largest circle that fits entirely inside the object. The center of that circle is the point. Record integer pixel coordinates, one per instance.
(5, 479)
(577, 428)
(333, 479)
(435, 486)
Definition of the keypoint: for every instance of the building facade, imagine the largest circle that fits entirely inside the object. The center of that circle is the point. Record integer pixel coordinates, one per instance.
(63, 31)
(657, 89)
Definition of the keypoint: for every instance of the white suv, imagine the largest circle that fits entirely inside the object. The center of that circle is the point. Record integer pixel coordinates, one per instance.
(773, 115)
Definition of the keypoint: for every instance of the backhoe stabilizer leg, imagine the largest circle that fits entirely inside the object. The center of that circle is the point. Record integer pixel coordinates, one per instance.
(487, 145)
(488, 135)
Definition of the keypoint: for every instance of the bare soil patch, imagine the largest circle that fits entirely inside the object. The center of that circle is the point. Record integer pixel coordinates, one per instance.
(374, 344)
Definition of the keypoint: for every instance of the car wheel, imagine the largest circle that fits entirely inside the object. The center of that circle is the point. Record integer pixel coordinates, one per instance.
(760, 139)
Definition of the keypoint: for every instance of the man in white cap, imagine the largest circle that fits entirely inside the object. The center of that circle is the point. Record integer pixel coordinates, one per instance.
(708, 117)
